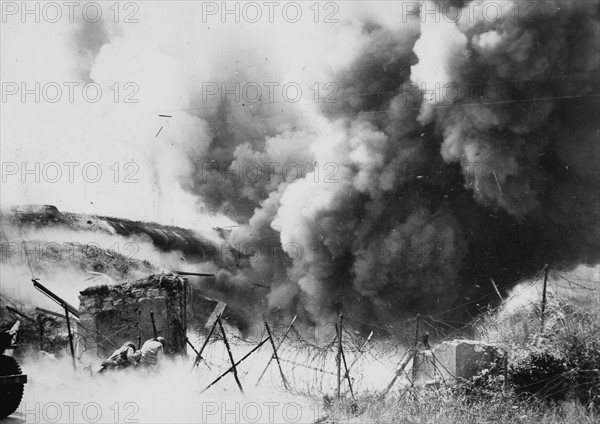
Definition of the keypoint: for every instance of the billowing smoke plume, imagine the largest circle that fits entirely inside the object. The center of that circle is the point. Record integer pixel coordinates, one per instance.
(527, 98)
(455, 152)
(400, 228)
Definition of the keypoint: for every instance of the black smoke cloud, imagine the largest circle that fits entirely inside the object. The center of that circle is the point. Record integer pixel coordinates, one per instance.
(431, 196)
(540, 132)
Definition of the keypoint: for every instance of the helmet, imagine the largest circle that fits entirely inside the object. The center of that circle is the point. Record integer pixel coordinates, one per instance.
(130, 344)
(161, 340)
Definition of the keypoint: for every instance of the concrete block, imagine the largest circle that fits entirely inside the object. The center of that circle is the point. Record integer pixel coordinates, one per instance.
(451, 360)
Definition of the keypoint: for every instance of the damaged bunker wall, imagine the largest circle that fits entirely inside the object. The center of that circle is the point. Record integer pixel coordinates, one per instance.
(112, 315)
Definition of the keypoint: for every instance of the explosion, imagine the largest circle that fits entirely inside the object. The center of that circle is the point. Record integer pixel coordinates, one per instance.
(449, 153)
(426, 181)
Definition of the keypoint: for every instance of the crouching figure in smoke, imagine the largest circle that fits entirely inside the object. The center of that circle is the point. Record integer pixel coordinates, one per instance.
(152, 352)
(123, 357)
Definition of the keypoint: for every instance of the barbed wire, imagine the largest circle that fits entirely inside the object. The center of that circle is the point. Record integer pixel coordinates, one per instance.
(312, 364)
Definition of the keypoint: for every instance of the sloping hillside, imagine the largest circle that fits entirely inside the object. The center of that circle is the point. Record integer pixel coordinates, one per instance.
(194, 246)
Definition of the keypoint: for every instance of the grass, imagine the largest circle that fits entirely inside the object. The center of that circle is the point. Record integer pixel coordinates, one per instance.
(441, 407)
(553, 371)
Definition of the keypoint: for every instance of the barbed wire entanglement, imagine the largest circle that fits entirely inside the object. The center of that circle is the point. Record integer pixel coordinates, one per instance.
(310, 360)
(311, 364)
(376, 359)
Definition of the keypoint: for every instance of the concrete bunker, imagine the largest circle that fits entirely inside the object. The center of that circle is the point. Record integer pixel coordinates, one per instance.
(112, 315)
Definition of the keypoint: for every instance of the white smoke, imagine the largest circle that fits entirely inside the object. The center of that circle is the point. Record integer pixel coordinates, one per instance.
(167, 69)
(579, 285)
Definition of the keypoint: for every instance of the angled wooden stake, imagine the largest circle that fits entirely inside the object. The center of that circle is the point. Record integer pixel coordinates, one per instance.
(410, 354)
(339, 359)
(199, 355)
(234, 369)
(185, 337)
(280, 344)
(361, 350)
(347, 374)
(275, 356)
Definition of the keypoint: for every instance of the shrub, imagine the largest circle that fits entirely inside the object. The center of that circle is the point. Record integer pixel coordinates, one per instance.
(541, 373)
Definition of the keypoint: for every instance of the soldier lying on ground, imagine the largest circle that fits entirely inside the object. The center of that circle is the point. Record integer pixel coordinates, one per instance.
(123, 357)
